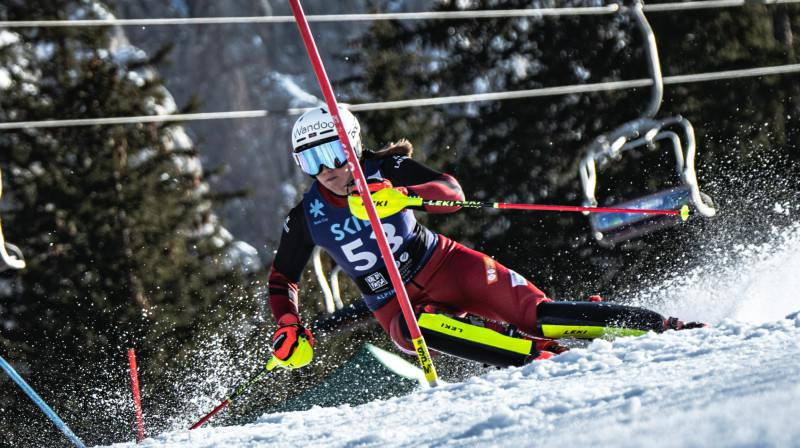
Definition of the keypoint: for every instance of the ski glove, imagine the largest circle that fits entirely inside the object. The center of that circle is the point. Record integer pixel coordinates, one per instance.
(375, 185)
(388, 200)
(292, 347)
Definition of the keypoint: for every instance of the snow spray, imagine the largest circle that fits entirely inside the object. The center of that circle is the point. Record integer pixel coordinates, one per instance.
(38, 400)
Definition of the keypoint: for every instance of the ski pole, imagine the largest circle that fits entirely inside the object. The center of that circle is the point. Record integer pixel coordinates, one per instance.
(389, 201)
(370, 212)
(269, 366)
(38, 400)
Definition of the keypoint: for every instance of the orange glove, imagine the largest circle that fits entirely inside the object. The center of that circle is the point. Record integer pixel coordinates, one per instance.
(292, 347)
(375, 185)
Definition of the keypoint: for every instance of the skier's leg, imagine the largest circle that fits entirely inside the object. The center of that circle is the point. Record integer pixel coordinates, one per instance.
(599, 319)
(456, 281)
(483, 342)
(467, 281)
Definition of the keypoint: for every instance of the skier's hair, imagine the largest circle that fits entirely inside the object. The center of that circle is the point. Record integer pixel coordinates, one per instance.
(401, 147)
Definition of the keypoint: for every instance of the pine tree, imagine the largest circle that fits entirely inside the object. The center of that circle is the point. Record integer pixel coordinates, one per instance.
(115, 221)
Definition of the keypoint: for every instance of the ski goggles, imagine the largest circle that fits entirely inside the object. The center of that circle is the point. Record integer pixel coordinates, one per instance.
(330, 154)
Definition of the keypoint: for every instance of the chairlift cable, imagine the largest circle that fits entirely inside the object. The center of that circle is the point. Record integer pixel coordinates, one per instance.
(470, 14)
(424, 102)
(709, 4)
(430, 15)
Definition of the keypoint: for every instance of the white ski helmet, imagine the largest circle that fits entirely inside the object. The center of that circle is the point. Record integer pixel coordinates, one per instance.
(316, 127)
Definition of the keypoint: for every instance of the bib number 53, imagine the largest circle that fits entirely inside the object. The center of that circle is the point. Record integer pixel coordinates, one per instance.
(363, 260)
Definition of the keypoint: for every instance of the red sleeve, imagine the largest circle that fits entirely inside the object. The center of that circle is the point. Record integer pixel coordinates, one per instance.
(445, 188)
(294, 250)
(283, 299)
(423, 181)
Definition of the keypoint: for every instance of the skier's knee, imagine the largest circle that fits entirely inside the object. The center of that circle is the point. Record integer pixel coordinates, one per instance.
(400, 334)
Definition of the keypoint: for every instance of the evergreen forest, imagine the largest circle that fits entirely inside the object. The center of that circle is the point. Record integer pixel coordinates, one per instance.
(123, 248)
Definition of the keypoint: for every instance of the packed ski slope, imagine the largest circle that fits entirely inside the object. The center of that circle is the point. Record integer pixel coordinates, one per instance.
(734, 383)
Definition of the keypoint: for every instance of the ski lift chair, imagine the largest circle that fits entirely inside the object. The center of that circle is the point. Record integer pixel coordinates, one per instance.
(10, 255)
(340, 317)
(13, 259)
(610, 228)
(333, 300)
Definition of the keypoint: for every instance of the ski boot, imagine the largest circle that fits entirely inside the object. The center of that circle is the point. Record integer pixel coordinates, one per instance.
(672, 323)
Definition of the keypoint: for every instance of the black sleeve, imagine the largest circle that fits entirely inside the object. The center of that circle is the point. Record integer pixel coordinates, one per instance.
(423, 181)
(405, 171)
(295, 247)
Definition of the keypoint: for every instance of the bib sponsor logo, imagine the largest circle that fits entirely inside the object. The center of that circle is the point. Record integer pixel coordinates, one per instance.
(516, 279)
(313, 129)
(376, 281)
(491, 270)
(398, 160)
(350, 226)
(316, 208)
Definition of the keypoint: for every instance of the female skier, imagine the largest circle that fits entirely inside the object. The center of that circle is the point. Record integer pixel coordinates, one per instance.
(444, 280)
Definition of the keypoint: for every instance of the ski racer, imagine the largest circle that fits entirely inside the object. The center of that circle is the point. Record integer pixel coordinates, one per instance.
(445, 280)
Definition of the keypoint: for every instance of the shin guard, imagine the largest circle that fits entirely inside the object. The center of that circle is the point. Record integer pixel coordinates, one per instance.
(467, 341)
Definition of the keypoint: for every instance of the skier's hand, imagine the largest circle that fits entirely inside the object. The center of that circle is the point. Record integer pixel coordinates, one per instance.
(292, 347)
(388, 200)
(551, 346)
(376, 185)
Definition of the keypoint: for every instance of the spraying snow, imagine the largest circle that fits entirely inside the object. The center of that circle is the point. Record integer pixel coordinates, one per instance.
(730, 384)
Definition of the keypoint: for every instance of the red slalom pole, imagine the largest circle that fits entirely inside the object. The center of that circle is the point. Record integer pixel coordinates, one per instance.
(137, 402)
(361, 184)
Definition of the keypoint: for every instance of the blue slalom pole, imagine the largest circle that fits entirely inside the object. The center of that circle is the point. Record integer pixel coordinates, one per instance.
(38, 400)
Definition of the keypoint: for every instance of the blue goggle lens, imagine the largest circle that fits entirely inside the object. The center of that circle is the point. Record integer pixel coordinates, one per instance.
(330, 154)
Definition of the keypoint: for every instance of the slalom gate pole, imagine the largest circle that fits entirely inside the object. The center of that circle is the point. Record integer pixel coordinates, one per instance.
(233, 396)
(38, 400)
(361, 184)
(137, 402)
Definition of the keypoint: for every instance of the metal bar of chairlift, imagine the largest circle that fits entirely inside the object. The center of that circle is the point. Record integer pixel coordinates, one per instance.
(16, 260)
(12, 260)
(334, 279)
(340, 317)
(644, 132)
(330, 303)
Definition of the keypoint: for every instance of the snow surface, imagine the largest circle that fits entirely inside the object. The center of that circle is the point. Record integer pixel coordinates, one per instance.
(730, 384)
